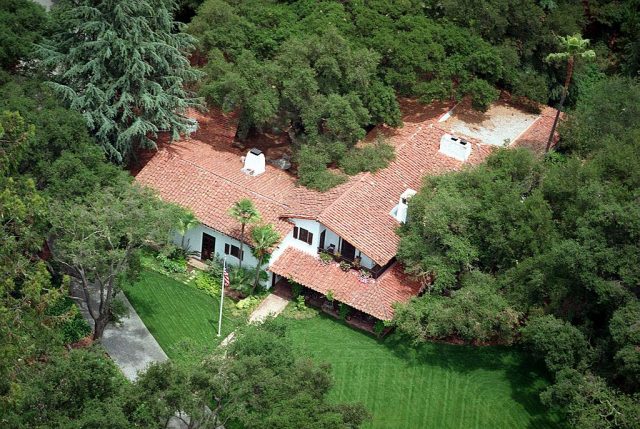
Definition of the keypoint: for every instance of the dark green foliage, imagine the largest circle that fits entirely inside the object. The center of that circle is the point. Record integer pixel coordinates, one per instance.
(22, 25)
(124, 67)
(561, 344)
(371, 157)
(74, 327)
(312, 171)
(590, 403)
(624, 327)
(475, 313)
(561, 237)
(293, 391)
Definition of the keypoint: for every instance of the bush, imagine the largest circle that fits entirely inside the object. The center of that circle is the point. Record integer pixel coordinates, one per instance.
(248, 303)
(296, 289)
(559, 343)
(326, 258)
(300, 304)
(345, 266)
(344, 310)
(209, 283)
(378, 327)
(73, 327)
(172, 265)
(372, 157)
(312, 169)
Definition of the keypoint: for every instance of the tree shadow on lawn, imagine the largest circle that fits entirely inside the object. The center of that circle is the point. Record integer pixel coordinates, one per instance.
(527, 377)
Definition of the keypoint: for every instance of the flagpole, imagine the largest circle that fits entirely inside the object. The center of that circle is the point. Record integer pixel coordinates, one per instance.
(224, 270)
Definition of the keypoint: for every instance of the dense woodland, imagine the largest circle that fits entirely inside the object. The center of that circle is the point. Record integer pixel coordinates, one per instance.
(539, 253)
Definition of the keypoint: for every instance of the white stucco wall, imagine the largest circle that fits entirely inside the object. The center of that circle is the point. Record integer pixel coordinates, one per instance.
(193, 240)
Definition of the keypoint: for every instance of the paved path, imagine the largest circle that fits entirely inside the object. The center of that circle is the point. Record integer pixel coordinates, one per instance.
(272, 305)
(130, 345)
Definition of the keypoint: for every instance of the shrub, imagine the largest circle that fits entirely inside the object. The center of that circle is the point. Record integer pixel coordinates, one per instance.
(372, 157)
(248, 303)
(209, 283)
(312, 169)
(300, 304)
(329, 295)
(326, 258)
(378, 327)
(345, 266)
(172, 265)
(73, 327)
(296, 289)
(559, 343)
(344, 310)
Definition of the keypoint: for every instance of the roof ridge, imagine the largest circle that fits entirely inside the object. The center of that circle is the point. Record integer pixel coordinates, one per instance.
(226, 179)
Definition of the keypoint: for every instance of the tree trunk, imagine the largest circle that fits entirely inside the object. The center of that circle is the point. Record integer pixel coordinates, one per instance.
(100, 325)
(257, 279)
(565, 89)
(241, 246)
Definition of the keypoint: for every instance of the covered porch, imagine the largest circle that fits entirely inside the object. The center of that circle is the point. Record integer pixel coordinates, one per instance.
(328, 286)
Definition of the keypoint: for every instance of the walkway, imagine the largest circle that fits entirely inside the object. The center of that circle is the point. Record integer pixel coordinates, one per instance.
(130, 345)
(271, 306)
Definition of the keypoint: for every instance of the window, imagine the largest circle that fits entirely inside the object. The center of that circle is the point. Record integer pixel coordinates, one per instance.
(230, 249)
(303, 235)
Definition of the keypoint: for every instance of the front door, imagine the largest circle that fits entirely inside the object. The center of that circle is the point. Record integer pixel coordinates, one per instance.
(208, 246)
(347, 250)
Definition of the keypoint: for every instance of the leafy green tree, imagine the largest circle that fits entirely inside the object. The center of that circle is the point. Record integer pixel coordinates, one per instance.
(82, 387)
(475, 313)
(245, 213)
(589, 403)
(125, 68)
(96, 240)
(22, 25)
(624, 327)
(279, 389)
(561, 345)
(265, 238)
(573, 48)
(186, 223)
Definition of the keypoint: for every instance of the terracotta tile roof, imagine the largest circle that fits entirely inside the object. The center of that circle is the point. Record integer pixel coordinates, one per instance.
(535, 137)
(206, 177)
(203, 173)
(361, 214)
(375, 297)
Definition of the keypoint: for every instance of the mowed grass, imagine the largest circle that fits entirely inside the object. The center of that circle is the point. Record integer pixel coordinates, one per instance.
(174, 312)
(435, 386)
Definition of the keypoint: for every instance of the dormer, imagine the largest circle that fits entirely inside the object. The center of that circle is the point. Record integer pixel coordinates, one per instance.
(399, 212)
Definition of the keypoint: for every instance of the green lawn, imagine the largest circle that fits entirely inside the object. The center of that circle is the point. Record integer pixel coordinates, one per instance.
(436, 386)
(174, 311)
(439, 386)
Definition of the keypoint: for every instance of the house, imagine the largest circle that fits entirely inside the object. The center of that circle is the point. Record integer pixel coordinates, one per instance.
(355, 221)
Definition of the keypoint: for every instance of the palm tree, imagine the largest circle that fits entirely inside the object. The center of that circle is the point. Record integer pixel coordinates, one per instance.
(573, 47)
(185, 223)
(265, 238)
(246, 213)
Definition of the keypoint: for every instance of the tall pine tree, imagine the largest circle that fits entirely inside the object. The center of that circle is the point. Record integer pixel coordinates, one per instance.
(123, 64)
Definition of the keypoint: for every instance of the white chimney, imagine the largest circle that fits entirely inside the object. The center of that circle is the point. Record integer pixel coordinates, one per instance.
(254, 163)
(399, 212)
(455, 147)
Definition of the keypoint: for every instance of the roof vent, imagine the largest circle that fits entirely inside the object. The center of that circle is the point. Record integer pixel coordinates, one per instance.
(399, 212)
(455, 147)
(192, 125)
(254, 163)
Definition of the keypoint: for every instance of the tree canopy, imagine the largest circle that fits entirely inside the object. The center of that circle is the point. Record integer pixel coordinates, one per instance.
(124, 67)
(558, 239)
